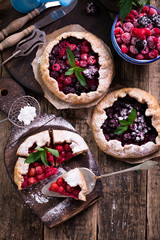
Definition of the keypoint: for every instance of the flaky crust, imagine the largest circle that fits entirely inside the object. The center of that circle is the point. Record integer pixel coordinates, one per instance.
(21, 168)
(114, 147)
(41, 139)
(75, 178)
(106, 69)
(77, 143)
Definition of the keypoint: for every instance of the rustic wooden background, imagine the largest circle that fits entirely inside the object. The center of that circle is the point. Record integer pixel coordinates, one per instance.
(130, 207)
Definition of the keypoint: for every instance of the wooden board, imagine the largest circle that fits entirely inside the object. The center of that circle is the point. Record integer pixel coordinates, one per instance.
(51, 211)
(98, 23)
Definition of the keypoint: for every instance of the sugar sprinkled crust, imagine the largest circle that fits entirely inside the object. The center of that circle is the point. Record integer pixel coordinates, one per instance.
(74, 178)
(114, 147)
(77, 145)
(41, 139)
(21, 168)
(105, 72)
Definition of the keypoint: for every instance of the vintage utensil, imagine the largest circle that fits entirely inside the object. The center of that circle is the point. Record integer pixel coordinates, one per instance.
(25, 6)
(91, 178)
(20, 22)
(16, 107)
(27, 45)
(52, 17)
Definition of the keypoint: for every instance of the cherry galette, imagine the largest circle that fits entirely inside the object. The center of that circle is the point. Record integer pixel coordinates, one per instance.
(126, 123)
(71, 184)
(40, 157)
(81, 75)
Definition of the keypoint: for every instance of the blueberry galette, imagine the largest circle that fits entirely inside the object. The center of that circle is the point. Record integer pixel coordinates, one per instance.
(39, 156)
(126, 124)
(77, 67)
(71, 184)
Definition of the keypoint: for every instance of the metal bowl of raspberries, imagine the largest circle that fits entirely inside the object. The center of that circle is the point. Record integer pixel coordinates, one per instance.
(137, 38)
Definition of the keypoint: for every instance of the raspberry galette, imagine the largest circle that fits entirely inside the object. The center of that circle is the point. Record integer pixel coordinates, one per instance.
(71, 184)
(92, 62)
(41, 154)
(126, 123)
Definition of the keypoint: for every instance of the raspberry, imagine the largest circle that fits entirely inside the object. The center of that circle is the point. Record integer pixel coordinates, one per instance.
(51, 171)
(124, 48)
(150, 42)
(84, 56)
(146, 50)
(133, 49)
(58, 159)
(134, 12)
(56, 67)
(141, 33)
(61, 190)
(41, 177)
(72, 46)
(155, 32)
(145, 9)
(69, 155)
(133, 40)
(54, 187)
(127, 27)
(119, 40)
(152, 11)
(51, 158)
(153, 53)
(62, 52)
(158, 47)
(69, 188)
(85, 49)
(119, 24)
(140, 56)
(118, 31)
(77, 63)
(129, 18)
(142, 15)
(126, 37)
(65, 44)
(68, 81)
(39, 170)
(59, 148)
(83, 63)
(63, 154)
(91, 60)
(67, 147)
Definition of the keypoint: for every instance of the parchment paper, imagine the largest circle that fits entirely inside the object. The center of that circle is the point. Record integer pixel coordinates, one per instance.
(59, 104)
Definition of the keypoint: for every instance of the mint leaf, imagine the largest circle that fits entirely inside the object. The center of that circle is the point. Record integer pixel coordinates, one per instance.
(79, 69)
(121, 129)
(80, 78)
(69, 72)
(71, 58)
(43, 158)
(53, 151)
(39, 148)
(132, 116)
(33, 157)
(125, 8)
(123, 122)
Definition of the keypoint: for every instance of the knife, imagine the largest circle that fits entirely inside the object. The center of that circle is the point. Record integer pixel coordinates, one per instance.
(52, 17)
(20, 22)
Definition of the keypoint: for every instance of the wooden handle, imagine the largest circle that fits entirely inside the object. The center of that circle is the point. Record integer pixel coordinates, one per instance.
(15, 38)
(17, 24)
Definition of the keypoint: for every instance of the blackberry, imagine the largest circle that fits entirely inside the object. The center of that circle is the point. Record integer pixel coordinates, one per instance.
(155, 19)
(140, 45)
(144, 21)
(90, 8)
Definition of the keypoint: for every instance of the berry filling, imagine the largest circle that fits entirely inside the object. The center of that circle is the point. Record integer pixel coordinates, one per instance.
(139, 35)
(65, 189)
(85, 58)
(39, 171)
(139, 132)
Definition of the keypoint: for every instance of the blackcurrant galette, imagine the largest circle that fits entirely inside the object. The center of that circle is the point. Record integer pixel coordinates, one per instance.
(77, 67)
(39, 156)
(71, 184)
(126, 124)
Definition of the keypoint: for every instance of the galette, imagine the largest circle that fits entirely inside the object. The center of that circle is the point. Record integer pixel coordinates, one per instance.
(77, 67)
(126, 124)
(71, 184)
(41, 154)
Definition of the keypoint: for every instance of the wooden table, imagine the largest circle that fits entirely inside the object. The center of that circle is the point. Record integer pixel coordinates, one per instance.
(130, 206)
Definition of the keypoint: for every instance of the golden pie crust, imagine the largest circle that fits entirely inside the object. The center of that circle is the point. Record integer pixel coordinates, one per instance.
(77, 145)
(106, 70)
(114, 147)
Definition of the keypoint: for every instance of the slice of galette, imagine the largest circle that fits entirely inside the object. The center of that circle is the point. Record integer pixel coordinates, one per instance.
(126, 124)
(77, 67)
(71, 184)
(40, 157)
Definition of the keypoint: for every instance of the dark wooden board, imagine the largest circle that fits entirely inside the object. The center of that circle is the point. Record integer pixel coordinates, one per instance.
(99, 24)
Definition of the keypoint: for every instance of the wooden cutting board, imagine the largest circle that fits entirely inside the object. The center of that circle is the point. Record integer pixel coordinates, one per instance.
(99, 24)
(50, 210)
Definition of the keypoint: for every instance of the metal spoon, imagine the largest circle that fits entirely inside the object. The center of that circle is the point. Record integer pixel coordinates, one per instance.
(91, 178)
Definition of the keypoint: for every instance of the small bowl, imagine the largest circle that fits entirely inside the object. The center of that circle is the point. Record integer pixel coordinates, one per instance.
(125, 56)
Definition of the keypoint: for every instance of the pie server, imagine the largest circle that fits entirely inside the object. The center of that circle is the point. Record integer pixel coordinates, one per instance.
(52, 17)
(91, 178)
(20, 22)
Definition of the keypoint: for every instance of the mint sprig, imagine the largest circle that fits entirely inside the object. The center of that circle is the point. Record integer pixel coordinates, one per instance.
(41, 154)
(74, 69)
(127, 5)
(126, 123)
